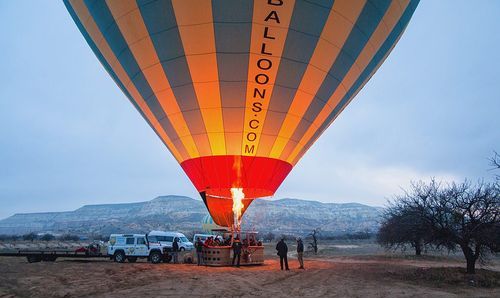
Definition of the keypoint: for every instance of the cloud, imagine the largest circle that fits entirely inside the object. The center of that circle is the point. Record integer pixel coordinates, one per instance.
(351, 180)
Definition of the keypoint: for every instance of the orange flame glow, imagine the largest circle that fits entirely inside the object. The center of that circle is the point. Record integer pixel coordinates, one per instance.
(237, 195)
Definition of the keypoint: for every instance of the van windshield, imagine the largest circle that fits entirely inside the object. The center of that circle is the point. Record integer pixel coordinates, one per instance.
(184, 239)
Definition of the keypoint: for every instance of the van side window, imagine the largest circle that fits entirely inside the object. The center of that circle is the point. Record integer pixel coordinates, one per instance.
(141, 241)
(165, 238)
(130, 241)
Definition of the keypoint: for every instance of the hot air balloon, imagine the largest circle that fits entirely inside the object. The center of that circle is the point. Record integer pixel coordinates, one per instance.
(208, 225)
(238, 91)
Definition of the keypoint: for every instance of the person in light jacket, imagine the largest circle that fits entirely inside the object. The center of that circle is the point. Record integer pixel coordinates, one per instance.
(300, 253)
(199, 251)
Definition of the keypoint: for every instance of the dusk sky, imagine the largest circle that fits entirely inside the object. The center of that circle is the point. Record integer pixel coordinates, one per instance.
(69, 137)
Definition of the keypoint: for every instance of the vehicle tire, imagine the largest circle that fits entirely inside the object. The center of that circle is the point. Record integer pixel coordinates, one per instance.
(33, 259)
(155, 257)
(132, 259)
(182, 249)
(167, 259)
(119, 257)
(188, 260)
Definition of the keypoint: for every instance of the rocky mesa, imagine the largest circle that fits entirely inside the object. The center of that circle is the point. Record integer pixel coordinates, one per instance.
(185, 214)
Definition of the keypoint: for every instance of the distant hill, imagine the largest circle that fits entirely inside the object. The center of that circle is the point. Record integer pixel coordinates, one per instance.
(185, 214)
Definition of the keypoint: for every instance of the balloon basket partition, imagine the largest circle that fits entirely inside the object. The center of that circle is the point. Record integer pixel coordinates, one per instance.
(252, 251)
(223, 256)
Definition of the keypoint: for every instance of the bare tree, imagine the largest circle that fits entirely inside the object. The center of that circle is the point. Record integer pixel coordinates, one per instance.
(495, 162)
(460, 215)
(402, 226)
(269, 237)
(30, 237)
(314, 244)
(47, 237)
(473, 219)
(69, 237)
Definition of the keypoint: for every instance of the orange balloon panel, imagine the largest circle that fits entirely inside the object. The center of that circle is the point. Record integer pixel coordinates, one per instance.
(239, 90)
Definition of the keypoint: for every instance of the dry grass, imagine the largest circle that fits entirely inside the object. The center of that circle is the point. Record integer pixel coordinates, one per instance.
(448, 276)
(332, 273)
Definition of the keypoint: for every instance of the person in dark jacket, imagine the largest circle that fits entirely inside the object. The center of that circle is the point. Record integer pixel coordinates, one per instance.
(236, 251)
(175, 250)
(300, 252)
(199, 251)
(282, 249)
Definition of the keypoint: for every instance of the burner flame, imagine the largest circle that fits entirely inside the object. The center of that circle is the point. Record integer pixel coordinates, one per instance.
(238, 196)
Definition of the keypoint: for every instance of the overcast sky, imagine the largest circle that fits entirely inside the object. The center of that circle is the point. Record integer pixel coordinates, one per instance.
(69, 137)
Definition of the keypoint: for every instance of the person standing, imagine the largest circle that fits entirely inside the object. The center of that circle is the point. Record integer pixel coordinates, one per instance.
(199, 251)
(175, 250)
(300, 252)
(236, 251)
(282, 249)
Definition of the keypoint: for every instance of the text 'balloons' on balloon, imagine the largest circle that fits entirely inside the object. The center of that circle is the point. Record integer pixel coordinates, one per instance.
(238, 91)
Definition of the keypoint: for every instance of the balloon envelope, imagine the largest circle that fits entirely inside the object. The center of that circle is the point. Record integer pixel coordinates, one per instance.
(239, 90)
(208, 224)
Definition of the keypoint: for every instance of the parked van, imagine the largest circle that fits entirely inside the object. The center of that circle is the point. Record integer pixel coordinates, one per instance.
(167, 238)
(130, 247)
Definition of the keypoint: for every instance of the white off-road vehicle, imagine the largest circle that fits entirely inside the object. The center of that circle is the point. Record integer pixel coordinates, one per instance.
(130, 247)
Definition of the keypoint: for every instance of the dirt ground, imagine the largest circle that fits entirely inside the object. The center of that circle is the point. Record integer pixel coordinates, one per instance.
(340, 269)
(325, 276)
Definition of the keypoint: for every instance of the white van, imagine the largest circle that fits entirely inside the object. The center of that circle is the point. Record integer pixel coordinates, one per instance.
(130, 247)
(167, 239)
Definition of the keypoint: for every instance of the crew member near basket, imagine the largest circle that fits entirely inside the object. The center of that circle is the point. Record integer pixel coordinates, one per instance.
(282, 249)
